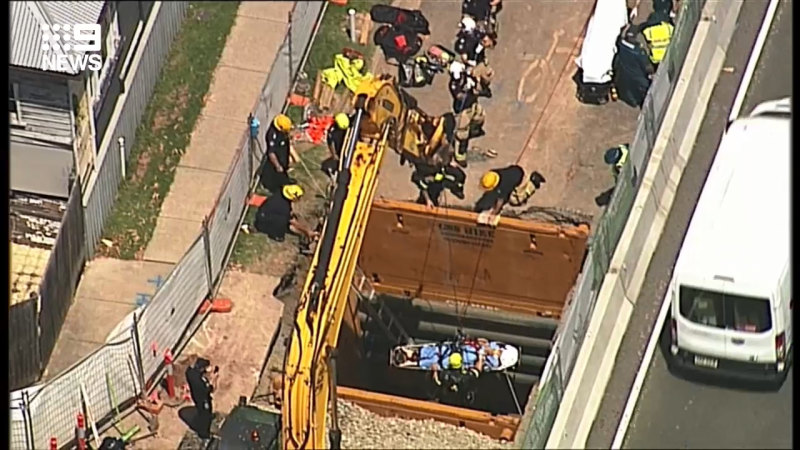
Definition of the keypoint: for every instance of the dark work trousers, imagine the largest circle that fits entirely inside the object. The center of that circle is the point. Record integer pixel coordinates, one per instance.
(271, 179)
(204, 418)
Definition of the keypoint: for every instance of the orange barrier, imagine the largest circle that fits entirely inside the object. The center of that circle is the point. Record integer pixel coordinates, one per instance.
(218, 305)
(256, 200)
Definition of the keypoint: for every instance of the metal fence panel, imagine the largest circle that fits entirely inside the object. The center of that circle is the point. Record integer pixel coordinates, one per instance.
(304, 20)
(24, 365)
(166, 24)
(572, 329)
(106, 375)
(17, 439)
(548, 400)
(61, 275)
(228, 210)
(165, 318)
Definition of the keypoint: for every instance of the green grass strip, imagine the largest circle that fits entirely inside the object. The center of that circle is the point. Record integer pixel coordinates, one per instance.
(165, 131)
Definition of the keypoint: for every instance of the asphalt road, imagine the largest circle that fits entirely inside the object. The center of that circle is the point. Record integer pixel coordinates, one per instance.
(673, 412)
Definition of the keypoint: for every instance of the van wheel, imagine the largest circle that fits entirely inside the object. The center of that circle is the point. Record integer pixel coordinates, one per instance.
(666, 338)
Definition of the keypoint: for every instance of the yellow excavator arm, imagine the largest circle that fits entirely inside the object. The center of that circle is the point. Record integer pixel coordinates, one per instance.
(308, 367)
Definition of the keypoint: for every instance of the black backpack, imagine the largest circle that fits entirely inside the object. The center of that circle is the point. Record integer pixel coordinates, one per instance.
(412, 20)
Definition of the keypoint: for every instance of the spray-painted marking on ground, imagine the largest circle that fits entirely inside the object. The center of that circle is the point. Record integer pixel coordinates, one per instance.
(144, 298)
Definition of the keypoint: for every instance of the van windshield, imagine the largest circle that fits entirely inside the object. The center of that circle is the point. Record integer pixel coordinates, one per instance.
(720, 310)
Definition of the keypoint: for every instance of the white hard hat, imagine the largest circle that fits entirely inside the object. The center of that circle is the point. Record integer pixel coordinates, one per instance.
(468, 23)
(457, 68)
(509, 357)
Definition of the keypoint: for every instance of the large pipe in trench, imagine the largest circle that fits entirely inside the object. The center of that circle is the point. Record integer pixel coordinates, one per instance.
(427, 306)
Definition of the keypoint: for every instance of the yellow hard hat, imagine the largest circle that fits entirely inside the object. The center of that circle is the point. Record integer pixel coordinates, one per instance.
(490, 180)
(292, 192)
(342, 121)
(455, 361)
(283, 122)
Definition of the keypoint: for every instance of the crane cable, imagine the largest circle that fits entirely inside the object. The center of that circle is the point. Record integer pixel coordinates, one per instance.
(450, 262)
(460, 315)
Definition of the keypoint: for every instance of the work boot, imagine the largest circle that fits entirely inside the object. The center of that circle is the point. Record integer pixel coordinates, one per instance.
(485, 90)
(461, 153)
(537, 179)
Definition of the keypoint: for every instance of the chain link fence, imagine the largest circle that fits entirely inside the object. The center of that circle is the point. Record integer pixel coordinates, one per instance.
(114, 376)
(536, 429)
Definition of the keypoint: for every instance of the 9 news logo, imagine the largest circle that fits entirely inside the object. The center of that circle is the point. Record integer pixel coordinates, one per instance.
(71, 48)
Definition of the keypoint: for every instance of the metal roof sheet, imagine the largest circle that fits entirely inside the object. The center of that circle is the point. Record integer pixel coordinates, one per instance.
(27, 19)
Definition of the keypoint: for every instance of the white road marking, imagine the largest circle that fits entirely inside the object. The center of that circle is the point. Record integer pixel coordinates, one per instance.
(755, 55)
(638, 382)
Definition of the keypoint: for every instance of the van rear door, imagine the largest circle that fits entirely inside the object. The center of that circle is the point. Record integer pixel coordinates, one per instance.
(701, 323)
(750, 328)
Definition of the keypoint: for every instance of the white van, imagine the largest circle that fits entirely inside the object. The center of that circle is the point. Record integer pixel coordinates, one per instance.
(730, 292)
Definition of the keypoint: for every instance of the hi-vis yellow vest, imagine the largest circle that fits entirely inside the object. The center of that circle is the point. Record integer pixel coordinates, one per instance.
(658, 36)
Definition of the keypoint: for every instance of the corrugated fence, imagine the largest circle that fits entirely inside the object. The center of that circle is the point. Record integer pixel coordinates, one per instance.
(535, 430)
(34, 324)
(113, 376)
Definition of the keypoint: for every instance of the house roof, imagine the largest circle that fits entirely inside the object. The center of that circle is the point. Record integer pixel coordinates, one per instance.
(28, 18)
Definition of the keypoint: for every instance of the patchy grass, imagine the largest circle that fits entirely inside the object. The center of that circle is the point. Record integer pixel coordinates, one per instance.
(168, 123)
(295, 113)
(333, 37)
(255, 252)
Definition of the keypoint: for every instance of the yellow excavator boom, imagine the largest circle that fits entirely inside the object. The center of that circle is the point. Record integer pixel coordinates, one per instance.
(307, 370)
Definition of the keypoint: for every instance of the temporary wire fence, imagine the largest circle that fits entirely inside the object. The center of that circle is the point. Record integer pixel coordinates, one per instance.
(130, 365)
(535, 429)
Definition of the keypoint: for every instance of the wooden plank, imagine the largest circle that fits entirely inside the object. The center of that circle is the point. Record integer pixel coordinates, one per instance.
(364, 28)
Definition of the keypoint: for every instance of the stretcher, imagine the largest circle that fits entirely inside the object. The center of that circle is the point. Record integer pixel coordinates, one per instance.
(408, 356)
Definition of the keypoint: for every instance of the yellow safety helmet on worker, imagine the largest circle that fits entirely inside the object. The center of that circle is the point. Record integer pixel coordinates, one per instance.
(342, 121)
(455, 361)
(490, 180)
(283, 123)
(292, 192)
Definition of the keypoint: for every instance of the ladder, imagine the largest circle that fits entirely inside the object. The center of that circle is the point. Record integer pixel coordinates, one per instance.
(377, 309)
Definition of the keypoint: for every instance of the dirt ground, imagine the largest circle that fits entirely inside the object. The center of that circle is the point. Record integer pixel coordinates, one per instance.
(533, 116)
(238, 342)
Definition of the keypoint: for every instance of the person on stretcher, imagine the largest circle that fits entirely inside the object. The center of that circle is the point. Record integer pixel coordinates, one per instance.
(480, 354)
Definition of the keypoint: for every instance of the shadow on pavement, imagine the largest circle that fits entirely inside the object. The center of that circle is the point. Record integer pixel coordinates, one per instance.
(716, 380)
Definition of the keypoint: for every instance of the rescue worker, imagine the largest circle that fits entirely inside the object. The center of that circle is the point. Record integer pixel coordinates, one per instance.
(616, 157)
(481, 10)
(275, 217)
(472, 46)
(632, 70)
(468, 36)
(498, 185)
(657, 30)
(462, 371)
(335, 141)
(201, 386)
(275, 167)
(432, 180)
(469, 113)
